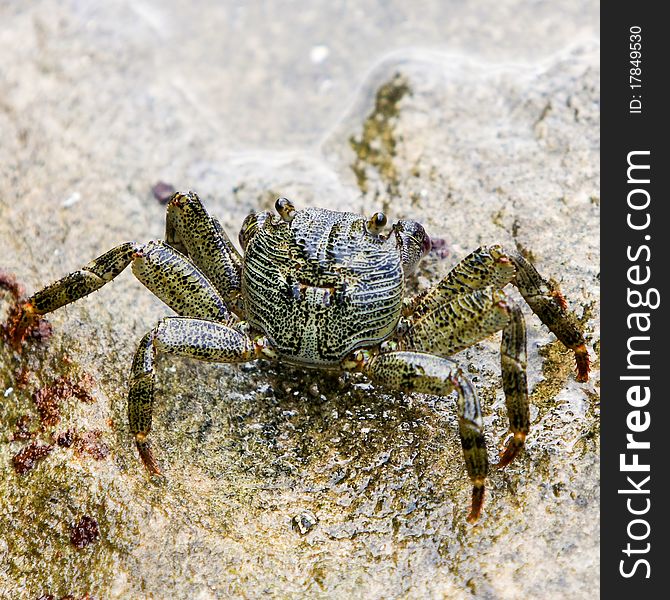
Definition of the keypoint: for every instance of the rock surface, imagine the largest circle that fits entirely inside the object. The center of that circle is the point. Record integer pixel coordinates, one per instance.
(481, 122)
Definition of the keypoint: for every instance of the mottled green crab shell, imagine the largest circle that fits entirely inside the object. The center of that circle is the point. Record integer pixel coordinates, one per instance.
(321, 285)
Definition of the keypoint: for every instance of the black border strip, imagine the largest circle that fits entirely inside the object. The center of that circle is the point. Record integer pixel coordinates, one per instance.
(624, 131)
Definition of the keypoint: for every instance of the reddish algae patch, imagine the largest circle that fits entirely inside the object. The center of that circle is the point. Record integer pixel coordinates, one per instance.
(25, 460)
(84, 532)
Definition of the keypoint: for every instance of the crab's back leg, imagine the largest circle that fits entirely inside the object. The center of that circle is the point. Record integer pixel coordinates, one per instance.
(495, 267)
(166, 272)
(547, 302)
(179, 336)
(483, 268)
(190, 229)
(463, 309)
(456, 322)
(415, 371)
(72, 287)
(464, 320)
(515, 383)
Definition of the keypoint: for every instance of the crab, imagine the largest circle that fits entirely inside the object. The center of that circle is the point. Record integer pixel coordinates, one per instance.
(320, 289)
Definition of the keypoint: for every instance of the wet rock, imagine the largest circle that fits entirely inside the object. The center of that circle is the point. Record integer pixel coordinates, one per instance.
(494, 138)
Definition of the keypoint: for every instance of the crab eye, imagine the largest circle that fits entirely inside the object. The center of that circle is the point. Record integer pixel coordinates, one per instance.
(376, 223)
(285, 208)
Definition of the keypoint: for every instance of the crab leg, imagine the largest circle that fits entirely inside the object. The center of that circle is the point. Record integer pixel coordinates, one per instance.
(467, 319)
(179, 336)
(89, 278)
(457, 322)
(190, 229)
(178, 282)
(414, 371)
(547, 302)
(72, 287)
(494, 267)
(166, 272)
(483, 268)
(515, 384)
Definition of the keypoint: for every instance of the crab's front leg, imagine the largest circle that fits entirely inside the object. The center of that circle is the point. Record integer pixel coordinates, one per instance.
(178, 336)
(415, 371)
(190, 229)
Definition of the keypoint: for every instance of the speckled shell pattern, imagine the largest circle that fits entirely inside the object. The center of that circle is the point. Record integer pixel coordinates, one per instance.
(321, 286)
